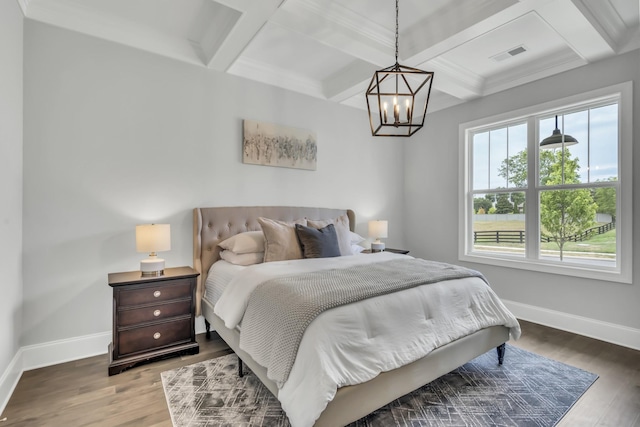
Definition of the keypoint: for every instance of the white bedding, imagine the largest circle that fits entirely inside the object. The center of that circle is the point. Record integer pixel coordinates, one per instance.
(220, 275)
(352, 344)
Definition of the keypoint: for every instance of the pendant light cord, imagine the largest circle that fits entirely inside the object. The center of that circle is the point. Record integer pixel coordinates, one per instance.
(397, 31)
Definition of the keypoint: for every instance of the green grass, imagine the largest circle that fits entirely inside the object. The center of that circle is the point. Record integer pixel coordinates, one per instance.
(498, 225)
(600, 243)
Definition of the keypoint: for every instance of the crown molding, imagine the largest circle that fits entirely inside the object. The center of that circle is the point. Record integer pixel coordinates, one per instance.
(346, 34)
(24, 5)
(455, 80)
(354, 22)
(76, 16)
(604, 17)
(265, 73)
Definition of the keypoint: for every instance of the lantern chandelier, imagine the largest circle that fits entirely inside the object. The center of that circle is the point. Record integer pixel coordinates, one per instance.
(395, 87)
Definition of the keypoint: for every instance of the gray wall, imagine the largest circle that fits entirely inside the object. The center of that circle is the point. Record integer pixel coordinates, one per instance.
(431, 196)
(11, 48)
(115, 137)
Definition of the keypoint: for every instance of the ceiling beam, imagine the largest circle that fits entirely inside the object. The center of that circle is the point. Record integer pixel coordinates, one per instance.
(579, 32)
(348, 81)
(73, 16)
(254, 15)
(340, 28)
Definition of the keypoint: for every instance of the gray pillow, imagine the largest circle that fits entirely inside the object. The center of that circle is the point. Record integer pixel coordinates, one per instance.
(318, 243)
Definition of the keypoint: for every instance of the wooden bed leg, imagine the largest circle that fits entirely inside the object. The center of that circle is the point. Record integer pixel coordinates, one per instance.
(240, 374)
(501, 350)
(207, 325)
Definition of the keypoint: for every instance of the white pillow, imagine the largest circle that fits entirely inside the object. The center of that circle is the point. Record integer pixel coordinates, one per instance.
(341, 225)
(355, 238)
(242, 243)
(356, 249)
(249, 258)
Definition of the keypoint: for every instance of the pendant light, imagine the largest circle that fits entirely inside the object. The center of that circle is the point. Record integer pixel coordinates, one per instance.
(557, 139)
(397, 98)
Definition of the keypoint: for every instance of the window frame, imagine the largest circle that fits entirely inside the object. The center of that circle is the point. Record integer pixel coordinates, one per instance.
(622, 273)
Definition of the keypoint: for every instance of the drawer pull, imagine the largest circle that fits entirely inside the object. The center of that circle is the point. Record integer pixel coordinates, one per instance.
(156, 313)
(156, 336)
(157, 294)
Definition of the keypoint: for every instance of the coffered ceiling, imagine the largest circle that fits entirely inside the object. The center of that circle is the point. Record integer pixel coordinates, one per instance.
(329, 49)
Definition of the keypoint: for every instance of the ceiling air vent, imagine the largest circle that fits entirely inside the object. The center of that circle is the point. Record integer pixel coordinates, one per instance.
(509, 54)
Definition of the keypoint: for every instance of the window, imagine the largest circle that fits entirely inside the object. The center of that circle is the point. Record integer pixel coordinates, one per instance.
(563, 208)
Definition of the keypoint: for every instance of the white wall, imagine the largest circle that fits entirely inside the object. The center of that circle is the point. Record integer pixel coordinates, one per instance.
(11, 48)
(431, 200)
(115, 137)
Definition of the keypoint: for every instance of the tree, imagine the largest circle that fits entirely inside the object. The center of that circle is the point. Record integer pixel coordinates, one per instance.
(605, 198)
(481, 203)
(563, 213)
(503, 205)
(517, 199)
(514, 169)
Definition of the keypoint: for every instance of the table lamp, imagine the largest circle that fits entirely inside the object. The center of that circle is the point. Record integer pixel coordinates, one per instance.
(153, 238)
(378, 229)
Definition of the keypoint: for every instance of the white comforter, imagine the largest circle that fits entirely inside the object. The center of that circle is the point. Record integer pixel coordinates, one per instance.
(352, 344)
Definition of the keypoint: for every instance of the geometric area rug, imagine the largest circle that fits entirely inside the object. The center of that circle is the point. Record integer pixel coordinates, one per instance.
(527, 390)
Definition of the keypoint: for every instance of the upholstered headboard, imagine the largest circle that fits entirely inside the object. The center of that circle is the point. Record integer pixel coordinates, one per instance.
(213, 225)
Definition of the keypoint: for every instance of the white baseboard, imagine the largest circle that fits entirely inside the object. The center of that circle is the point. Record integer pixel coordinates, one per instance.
(604, 331)
(55, 352)
(47, 354)
(9, 380)
(61, 351)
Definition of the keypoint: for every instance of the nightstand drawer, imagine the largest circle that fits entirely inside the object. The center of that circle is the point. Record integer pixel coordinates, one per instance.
(153, 317)
(159, 292)
(153, 312)
(154, 336)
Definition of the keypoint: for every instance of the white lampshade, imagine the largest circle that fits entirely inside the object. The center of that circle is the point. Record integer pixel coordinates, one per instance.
(152, 238)
(378, 229)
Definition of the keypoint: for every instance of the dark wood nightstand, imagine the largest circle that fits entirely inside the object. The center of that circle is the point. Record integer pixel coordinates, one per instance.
(152, 316)
(395, 251)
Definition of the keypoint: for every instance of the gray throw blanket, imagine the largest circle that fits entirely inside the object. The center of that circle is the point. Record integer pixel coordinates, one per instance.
(279, 310)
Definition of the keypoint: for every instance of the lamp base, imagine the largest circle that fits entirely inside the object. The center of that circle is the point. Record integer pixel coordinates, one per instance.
(377, 247)
(152, 266)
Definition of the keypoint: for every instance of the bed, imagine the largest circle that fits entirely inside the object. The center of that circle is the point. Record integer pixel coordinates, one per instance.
(351, 402)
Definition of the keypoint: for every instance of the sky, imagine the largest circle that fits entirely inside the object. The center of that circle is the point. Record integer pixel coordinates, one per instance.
(596, 130)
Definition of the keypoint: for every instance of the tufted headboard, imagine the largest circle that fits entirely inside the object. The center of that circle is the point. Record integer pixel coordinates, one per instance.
(213, 225)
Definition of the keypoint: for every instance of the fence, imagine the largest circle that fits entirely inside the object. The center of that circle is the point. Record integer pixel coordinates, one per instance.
(500, 236)
(600, 217)
(585, 235)
(517, 236)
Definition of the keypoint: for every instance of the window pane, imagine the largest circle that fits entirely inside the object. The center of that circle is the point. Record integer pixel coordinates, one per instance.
(577, 125)
(565, 165)
(559, 166)
(578, 226)
(517, 156)
(499, 223)
(498, 154)
(481, 160)
(603, 146)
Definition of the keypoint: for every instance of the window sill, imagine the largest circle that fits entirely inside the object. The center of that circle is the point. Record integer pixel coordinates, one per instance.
(551, 267)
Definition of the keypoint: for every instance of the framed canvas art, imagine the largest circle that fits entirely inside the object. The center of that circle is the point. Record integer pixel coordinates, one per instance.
(275, 145)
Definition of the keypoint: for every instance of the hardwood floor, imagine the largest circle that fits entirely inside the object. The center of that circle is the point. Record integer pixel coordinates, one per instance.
(81, 394)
